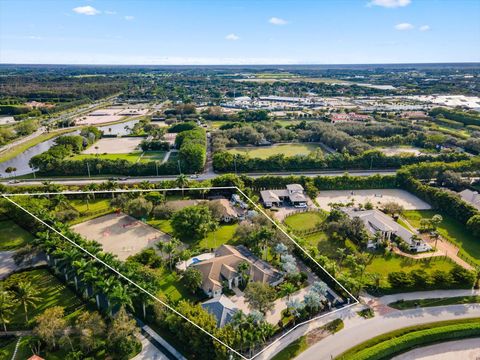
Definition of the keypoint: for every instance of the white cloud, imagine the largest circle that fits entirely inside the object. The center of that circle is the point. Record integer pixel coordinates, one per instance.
(424, 28)
(232, 37)
(404, 26)
(277, 21)
(86, 10)
(389, 3)
(110, 12)
(129, 17)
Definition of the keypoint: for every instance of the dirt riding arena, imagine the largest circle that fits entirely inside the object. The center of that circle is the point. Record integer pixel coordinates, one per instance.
(114, 146)
(121, 234)
(377, 197)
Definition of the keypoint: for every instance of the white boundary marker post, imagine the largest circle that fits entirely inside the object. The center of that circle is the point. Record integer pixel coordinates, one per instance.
(8, 195)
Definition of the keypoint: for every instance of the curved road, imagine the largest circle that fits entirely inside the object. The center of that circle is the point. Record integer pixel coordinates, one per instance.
(358, 329)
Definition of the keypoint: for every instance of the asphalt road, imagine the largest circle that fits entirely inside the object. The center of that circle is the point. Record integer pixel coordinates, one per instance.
(358, 330)
(210, 175)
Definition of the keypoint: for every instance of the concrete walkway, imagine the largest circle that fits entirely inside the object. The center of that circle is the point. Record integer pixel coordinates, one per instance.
(358, 329)
(468, 349)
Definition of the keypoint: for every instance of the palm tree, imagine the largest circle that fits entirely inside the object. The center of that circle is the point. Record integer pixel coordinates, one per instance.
(287, 289)
(7, 302)
(182, 182)
(170, 248)
(119, 296)
(26, 295)
(243, 269)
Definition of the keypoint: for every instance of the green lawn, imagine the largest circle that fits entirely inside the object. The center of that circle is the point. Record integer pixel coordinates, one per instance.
(305, 221)
(93, 205)
(384, 265)
(51, 293)
(451, 230)
(224, 235)
(172, 287)
(13, 236)
(411, 304)
(153, 156)
(264, 152)
(132, 157)
(293, 349)
(320, 240)
(162, 225)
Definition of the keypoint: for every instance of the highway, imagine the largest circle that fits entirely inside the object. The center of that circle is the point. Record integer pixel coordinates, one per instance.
(204, 176)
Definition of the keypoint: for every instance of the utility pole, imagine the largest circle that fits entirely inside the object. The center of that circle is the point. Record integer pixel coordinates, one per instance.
(179, 167)
(88, 169)
(156, 166)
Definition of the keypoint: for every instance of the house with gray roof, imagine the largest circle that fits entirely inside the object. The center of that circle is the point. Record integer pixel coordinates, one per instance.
(376, 222)
(222, 308)
(471, 197)
(293, 194)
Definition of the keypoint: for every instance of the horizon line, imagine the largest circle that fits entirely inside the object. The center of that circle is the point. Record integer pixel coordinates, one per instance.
(252, 64)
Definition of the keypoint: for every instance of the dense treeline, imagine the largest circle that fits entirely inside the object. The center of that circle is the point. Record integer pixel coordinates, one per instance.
(228, 162)
(464, 117)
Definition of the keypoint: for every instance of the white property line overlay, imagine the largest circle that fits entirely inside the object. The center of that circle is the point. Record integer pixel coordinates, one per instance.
(79, 192)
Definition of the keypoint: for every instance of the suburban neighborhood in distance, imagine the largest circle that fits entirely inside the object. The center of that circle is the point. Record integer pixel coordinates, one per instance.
(239, 180)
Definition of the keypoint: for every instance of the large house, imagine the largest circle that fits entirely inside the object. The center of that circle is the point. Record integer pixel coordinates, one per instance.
(376, 222)
(294, 194)
(222, 270)
(471, 197)
(222, 308)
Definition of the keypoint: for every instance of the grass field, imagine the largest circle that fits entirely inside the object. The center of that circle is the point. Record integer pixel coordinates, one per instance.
(293, 349)
(153, 156)
(383, 265)
(264, 152)
(51, 293)
(223, 235)
(305, 221)
(162, 225)
(172, 287)
(13, 236)
(451, 230)
(93, 205)
(132, 157)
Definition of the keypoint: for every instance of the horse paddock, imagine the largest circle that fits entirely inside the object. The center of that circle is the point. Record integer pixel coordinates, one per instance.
(120, 234)
(377, 197)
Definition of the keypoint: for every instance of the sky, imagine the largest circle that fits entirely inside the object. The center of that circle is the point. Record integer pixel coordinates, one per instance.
(198, 32)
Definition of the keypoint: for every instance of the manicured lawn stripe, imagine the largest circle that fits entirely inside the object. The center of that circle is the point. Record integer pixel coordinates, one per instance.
(13, 236)
(51, 293)
(264, 152)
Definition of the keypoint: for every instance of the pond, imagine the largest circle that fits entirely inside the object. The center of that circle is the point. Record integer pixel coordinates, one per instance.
(20, 162)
